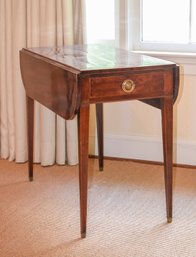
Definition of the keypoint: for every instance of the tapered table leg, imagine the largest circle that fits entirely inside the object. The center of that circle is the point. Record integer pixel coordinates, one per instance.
(167, 133)
(83, 139)
(99, 116)
(30, 125)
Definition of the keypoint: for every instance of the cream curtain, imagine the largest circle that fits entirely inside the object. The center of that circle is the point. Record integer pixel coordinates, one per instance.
(30, 23)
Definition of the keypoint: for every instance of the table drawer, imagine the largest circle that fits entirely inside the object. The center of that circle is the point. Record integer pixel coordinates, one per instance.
(149, 84)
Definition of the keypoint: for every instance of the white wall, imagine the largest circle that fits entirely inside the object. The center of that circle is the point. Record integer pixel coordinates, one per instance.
(133, 129)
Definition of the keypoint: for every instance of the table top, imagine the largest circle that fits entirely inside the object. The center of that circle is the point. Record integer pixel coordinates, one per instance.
(84, 58)
(64, 78)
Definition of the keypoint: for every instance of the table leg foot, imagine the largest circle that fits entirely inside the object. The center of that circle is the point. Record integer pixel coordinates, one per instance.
(100, 168)
(83, 235)
(30, 179)
(169, 219)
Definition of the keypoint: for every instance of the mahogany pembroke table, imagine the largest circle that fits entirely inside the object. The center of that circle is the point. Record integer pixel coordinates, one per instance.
(68, 79)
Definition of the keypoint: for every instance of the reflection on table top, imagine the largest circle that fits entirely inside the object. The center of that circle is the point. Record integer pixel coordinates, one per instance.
(97, 57)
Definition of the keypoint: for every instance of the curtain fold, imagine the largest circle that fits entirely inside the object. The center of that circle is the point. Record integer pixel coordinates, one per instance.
(34, 23)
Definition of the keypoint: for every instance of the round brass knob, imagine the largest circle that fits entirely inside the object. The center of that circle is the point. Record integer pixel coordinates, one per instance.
(128, 86)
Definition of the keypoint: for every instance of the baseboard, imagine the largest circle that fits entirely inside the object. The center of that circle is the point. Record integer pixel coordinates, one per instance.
(180, 165)
(145, 149)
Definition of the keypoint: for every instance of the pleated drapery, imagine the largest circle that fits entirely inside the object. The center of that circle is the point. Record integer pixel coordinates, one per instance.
(33, 23)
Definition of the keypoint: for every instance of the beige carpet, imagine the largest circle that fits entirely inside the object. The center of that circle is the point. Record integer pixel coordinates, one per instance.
(126, 216)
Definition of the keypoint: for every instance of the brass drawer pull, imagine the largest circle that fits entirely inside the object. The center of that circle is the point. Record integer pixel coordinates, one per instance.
(128, 86)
